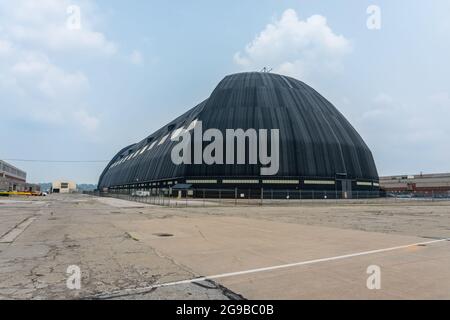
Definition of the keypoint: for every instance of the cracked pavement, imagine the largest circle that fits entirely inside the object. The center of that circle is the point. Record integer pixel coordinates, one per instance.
(121, 245)
(79, 230)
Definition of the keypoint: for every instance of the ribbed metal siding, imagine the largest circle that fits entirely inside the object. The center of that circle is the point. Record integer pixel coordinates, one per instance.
(315, 138)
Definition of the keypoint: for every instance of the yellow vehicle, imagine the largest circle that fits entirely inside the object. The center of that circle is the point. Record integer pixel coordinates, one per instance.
(16, 193)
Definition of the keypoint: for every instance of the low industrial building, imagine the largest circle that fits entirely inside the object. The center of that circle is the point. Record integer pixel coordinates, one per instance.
(64, 187)
(13, 179)
(417, 183)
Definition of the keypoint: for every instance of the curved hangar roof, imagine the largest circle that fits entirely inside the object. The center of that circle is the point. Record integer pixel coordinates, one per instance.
(316, 141)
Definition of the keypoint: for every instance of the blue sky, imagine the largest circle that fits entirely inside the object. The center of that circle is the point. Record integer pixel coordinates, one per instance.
(136, 65)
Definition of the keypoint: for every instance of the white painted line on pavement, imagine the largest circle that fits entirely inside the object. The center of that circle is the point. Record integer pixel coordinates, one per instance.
(239, 273)
(12, 234)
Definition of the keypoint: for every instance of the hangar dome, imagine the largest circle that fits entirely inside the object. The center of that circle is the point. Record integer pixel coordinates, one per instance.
(316, 143)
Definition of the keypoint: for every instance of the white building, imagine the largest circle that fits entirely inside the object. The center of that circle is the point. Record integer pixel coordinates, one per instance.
(64, 187)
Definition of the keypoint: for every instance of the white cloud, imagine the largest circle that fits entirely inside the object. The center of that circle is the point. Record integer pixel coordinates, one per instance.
(5, 48)
(295, 47)
(441, 99)
(43, 23)
(35, 88)
(36, 74)
(414, 122)
(399, 131)
(87, 121)
(32, 85)
(61, 39)
(136, 57)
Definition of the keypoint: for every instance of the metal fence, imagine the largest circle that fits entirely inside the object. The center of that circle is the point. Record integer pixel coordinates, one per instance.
(251, 197)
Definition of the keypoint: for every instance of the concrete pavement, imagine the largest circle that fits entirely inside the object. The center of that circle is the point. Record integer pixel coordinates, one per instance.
(121, 245)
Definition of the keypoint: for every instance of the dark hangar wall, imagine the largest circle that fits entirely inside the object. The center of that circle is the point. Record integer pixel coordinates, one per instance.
(316, 141)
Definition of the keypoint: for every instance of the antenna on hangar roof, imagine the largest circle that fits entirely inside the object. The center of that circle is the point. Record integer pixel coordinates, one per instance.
(266, 70)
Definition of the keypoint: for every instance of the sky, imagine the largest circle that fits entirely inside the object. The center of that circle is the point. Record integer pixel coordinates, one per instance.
(81, 87)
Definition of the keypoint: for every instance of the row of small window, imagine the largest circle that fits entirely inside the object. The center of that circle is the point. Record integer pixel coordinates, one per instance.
(13, 171)
(153, 184)
(150, 146)
(254, 181)
(243, 181)
(164, 183)
(293, 182)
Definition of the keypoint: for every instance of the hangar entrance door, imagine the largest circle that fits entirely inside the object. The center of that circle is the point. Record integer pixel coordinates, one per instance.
(347, 189)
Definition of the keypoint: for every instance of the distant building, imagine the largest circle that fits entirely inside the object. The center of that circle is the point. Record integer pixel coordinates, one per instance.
(64, 187)
(14, 179)
(419, 183)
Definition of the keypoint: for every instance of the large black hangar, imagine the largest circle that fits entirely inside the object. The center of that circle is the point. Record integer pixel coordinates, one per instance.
(318, 149)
